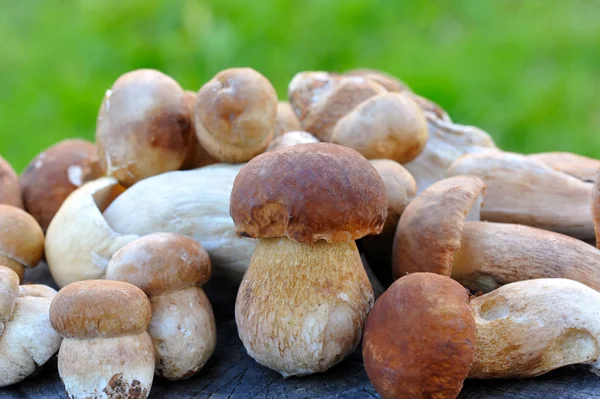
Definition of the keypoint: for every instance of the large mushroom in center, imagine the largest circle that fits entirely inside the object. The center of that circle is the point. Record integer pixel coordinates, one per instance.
(302, 303)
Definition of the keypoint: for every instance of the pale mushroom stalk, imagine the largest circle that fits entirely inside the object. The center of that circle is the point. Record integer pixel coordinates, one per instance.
(578, 166)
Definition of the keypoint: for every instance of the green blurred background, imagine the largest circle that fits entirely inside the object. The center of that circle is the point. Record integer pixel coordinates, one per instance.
(525, 71)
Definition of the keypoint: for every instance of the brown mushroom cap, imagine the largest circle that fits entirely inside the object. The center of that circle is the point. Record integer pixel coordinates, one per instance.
(290, 139)
(21, 237)
(160, 263)
(9, 292)
(596, 208)
(419, 339)
(196, 154)
(430, 229)
(388, 125)
(143, 126)
(309, 192)
(100, 308)
(390, 82)
(578, 166)
(10, 192)
(287, 121)
(54, 174)
(235, 114)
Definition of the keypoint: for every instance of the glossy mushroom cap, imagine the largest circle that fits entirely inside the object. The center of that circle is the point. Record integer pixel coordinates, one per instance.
(309, 192)
(10, 192)
(143, 126)
(160, 263)
(235, 114)
(430, 229)
(100, 308)
(419, 339)
(9, 292)
(287, 121)
(197, 156)
(290, 139)
(54, 174)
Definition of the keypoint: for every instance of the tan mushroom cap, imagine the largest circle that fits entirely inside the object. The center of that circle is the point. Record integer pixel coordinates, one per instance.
(160, 263)
(143, 126)
(9, 292)
(419, 339)
(100, 308)
(197, 156)
(388, 125)
(235, 114)
(54, 174)
(320, 99)
(578, 166)
(290, 139)
(10, 192)
(287, 121)
(390, 82)
(309, 192)
(430, 229)
(21, 237)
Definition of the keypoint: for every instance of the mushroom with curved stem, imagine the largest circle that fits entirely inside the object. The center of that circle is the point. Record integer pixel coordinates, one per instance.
(106, 351)
(10, 191)
(439, 232)
(170, 269)
(524, 191)
(286, 121)
(578, 166)
(290, 139)
(303, 301)
(21, 240)
(27, 339)
(197, 156)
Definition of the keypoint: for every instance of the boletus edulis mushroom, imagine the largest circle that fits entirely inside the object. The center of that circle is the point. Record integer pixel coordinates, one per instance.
(303, 301)
(197, 156)
(10, 192)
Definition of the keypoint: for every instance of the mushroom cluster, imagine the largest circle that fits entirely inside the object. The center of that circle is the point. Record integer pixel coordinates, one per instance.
(354, 209)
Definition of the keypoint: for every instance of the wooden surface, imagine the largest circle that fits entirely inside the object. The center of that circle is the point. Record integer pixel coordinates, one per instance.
(231, 373)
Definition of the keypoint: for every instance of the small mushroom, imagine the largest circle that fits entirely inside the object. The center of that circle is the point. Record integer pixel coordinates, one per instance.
(27, 339)
(143, 126)
(287, 121)
(54, 174)
(10, 192)
(235, 114)
(290, 139)
(578, 166)
(419, 339)
(196, 154)
(320, 99)
(389, 125)
(170, 268)
(389, 82)
(439, 232)
(302, 303)
(106, 351)
(21, 240)
(524, 191)
(529, 328)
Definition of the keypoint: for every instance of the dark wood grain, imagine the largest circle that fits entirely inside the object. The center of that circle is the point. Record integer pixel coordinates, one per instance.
(231, 373)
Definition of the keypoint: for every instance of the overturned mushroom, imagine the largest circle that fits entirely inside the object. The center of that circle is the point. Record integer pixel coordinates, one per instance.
(439, 232)
(522, 190)
(578, 166)
(27, 339)
(287, 121)
(10, 192)
(292, 138)
(170, 268)
(197, 156)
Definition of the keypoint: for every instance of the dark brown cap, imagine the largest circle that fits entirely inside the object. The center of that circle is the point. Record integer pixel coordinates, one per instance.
(309, 192)
(160, 263)
(419, 339)
(10, 192)
(100, 308)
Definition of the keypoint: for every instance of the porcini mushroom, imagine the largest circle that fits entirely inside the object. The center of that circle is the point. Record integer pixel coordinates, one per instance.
(390, 82)
(596, 207)
(522, 190)
(286, 120)
(388, 125)
(10, 192)
(235, 114)
(170, 268)
(302, 303)
(578, 166)
(439, 232)
(197, 156)
(21, 239)
(54, 174)
(27, 339)
(290, 139)
(106, 351)
(143, 126)
(419, 339)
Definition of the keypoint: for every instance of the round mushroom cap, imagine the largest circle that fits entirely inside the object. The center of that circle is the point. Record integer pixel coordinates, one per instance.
(430, 229)
(10, 192)
(287, 121)
(196, 154)
(21, 237)
(419, 339)
(160, 263)
(290, 139)
(100, 308)
(143, 126)
(309, 192)
(9, 292)
(54, 174)
(235, 114)
(389, 82)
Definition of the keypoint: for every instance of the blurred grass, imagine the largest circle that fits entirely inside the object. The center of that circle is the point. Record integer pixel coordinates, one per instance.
(528, 72)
